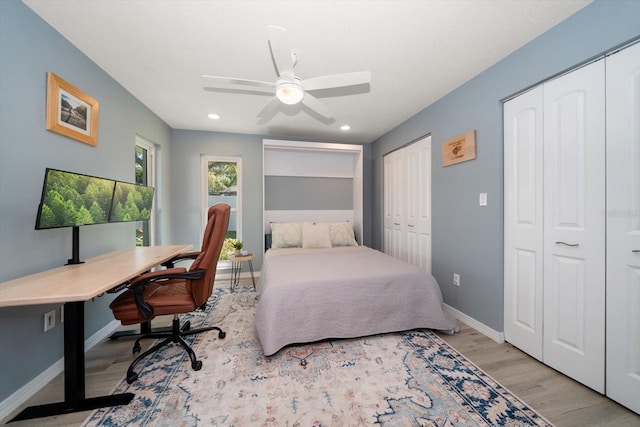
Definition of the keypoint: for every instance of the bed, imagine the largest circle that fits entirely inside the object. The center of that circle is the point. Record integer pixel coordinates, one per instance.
(315, 289)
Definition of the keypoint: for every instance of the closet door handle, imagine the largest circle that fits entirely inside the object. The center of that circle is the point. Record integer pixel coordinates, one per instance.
(410, 225)
(396, 223)
(567, 244)
(636, 251)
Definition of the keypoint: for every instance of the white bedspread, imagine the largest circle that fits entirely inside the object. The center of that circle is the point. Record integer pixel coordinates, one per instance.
(308, 295)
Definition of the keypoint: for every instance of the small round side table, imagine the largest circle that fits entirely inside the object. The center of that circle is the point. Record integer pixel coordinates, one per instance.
(236, 267)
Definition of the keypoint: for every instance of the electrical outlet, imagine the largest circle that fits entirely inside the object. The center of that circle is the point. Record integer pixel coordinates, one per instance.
(482, 199)
(49, 320)
(456, 279)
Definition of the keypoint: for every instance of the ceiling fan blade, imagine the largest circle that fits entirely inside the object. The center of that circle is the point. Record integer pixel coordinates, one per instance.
(281, 52)
(314, 104)
(269, 110)
(337, 80)
(226, 82)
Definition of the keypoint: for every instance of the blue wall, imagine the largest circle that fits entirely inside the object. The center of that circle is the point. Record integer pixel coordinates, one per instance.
(468, 239)
(29, 48)
(187, 149)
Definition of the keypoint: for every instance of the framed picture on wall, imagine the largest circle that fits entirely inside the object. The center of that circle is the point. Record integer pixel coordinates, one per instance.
(71, 112)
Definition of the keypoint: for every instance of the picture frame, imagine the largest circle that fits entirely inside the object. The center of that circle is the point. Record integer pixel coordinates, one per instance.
(70, 111)
(459, 149)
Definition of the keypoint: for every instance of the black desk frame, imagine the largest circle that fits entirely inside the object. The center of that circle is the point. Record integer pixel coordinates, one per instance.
(75, 399)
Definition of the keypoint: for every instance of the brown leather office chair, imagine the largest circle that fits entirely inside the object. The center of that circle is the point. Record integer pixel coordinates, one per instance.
(175, 291)
(145, 328)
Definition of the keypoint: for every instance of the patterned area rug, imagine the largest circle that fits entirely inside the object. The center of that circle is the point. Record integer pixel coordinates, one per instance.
(402, 379)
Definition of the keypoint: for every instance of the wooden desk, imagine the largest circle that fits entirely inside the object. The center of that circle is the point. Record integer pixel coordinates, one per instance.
(73, 285)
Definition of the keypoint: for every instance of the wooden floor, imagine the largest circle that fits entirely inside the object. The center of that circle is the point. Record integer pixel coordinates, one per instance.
(559, 399)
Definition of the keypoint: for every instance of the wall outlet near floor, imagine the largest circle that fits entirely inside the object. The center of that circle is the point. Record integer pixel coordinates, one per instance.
(49, 320)
(456, 279)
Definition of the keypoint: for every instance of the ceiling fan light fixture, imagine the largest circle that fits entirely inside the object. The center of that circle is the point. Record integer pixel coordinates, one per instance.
(289, 93)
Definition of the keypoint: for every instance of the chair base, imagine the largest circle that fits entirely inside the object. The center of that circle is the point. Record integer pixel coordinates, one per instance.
(145, 329)
(174, 336)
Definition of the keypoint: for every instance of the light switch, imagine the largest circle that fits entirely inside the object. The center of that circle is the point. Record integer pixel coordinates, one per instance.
(482, 200)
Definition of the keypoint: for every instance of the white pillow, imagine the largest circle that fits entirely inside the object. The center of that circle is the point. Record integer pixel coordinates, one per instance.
(286, 235)
(342, 234)
(316, 235)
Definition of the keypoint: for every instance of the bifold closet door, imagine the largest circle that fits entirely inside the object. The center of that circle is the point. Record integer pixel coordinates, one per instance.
(574, 225)
(418, 203)
(623, 227)
(523, 215)
(394, 196)
(407, 203)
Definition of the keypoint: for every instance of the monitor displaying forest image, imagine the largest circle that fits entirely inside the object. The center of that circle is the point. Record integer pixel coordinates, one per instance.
(71, 199)
(131, 202)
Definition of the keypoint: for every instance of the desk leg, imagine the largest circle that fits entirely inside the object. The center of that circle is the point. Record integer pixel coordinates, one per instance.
(74, 373)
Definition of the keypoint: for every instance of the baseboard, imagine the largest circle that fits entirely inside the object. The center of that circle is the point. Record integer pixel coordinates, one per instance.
(25, 392)
(243, 275)
(478, 326)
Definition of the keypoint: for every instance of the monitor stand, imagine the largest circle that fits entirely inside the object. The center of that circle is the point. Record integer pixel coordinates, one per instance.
(75, 247)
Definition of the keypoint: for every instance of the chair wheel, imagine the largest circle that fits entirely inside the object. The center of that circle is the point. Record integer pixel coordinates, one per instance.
(136, 349)
(222, 334)
(196, 365)
(131, 377)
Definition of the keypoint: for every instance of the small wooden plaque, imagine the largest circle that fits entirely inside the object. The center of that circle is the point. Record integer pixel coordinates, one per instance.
(459, 149)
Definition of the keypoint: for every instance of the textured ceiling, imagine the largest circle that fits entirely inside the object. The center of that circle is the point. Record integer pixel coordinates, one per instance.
(416, 51)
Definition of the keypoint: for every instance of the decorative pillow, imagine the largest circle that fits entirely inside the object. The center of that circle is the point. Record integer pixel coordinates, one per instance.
(316, 235)
(342, 234)
(286, 235)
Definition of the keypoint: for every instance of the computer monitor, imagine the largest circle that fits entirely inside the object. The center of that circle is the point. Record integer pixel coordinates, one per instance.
(131, 202)
(72, 200)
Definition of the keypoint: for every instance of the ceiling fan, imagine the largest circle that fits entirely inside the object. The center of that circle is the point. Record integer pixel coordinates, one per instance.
(289, 89)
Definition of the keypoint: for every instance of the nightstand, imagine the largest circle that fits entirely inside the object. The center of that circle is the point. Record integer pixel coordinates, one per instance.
(236, 267)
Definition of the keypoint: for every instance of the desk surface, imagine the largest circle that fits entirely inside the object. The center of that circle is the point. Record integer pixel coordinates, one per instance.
(81, 282)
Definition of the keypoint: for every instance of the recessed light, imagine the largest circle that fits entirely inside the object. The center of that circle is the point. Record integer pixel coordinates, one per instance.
(213, 116)
(345, 127)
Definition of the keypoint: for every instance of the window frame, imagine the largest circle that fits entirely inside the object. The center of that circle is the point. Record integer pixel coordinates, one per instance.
(151, 182)
(204, 191)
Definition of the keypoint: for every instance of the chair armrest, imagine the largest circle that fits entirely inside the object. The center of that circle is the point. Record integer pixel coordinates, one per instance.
(180, 257)
(154, 276)
(139, 284)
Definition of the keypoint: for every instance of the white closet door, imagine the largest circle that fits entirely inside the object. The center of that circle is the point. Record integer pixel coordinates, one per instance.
(523, 222)
(394, 200)
(574, 237)
(623, 227)
(418, 203)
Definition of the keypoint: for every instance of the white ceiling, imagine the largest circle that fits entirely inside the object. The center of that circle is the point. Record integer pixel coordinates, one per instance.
(417, 52)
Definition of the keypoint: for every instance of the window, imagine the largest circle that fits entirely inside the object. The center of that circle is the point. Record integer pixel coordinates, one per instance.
(145, 175)
(222, 183)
